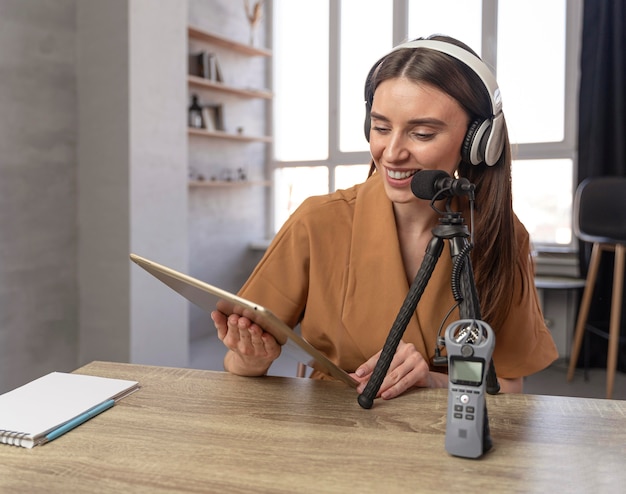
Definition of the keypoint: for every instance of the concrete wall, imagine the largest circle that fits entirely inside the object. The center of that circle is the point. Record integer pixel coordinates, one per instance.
(94, 160)
(93, 165)
(38, 164)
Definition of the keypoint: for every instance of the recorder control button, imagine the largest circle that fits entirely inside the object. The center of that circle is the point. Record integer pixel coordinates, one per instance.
(464, 399)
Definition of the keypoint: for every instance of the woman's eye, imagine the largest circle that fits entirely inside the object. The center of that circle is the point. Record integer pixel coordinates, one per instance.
(381, 129)
(424, 136)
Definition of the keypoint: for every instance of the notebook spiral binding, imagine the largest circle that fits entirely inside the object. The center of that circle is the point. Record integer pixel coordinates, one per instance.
(12, 438)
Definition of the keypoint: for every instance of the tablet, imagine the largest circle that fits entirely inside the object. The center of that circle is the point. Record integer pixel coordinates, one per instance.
(210, 298)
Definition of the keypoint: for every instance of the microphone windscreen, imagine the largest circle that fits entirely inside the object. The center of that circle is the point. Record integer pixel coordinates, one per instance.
(424, 183)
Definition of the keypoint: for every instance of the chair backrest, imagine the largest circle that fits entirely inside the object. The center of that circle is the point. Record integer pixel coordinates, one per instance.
(600, 210)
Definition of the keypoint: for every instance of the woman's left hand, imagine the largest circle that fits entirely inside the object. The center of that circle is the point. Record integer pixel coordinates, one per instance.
(408, 369)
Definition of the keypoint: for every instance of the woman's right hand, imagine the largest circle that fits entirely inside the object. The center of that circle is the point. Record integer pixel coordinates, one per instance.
(251, 349)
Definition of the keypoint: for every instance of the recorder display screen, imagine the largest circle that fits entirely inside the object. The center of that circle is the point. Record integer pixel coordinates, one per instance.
(468, 372)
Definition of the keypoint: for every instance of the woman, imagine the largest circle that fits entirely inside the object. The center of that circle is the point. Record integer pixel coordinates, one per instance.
(342, 264)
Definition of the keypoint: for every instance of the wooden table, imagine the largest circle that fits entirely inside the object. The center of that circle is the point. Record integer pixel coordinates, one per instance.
(200, 431)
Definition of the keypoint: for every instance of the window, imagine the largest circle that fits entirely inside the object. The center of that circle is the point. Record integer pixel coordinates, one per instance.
(319, 110)
(301, 84)
(427, 17)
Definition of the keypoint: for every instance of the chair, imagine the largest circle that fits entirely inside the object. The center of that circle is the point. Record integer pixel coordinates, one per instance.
(572, 286)
(600, 218)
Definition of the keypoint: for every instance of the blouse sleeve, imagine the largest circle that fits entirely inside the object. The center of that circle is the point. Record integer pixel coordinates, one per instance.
(279, 282)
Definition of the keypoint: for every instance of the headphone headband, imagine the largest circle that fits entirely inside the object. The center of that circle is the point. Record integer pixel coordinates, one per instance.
(469, 59)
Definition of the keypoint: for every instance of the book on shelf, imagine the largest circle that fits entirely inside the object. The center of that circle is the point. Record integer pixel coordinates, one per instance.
(197, 63)
(205, 64)
(212, 116)
(48, 407)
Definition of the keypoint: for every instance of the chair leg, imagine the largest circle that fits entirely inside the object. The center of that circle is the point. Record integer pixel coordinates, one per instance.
(301, 370)
(616, 315)
(583, 311)
(586, 352)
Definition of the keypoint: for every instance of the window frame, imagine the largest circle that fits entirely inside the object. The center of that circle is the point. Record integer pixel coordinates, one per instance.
(565, 149)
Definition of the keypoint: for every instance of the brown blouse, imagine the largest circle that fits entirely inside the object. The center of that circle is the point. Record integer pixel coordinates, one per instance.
(335, 267)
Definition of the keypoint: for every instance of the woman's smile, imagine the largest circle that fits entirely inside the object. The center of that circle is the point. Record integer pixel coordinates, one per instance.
(400, 174)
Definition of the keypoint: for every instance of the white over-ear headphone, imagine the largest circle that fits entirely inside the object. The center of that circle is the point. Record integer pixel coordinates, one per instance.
(484, 140)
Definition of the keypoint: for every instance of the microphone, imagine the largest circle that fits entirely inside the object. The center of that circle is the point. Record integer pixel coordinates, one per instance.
(431, 184)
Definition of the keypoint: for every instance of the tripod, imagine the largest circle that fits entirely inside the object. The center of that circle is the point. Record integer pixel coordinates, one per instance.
(452, 228)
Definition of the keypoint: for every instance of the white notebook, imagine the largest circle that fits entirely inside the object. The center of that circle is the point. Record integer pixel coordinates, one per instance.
(44, 409)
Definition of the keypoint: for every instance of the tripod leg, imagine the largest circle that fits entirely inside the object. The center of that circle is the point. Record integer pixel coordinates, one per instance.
(433, 252)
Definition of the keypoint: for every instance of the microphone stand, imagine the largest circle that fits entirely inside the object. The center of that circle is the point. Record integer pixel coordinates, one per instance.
(452, 228)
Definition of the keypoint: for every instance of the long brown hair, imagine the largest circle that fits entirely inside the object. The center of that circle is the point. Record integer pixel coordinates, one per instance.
(495, 255)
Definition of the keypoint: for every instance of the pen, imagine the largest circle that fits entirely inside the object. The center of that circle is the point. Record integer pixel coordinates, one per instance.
(79, 420)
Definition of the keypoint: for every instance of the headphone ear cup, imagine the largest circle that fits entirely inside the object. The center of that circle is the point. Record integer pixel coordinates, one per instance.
(367, 125)
(473, 148)
(369, 99)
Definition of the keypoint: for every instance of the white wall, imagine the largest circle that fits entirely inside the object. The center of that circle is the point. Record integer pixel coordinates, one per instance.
(223, 222)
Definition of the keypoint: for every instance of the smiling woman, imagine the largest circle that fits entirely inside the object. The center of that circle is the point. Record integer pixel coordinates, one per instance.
(341, 265)
(440, 86)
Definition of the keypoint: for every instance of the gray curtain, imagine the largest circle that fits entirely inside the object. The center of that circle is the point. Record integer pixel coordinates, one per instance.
(602, 134)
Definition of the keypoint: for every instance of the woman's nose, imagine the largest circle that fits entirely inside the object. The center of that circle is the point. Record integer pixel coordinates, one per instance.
(396, 149)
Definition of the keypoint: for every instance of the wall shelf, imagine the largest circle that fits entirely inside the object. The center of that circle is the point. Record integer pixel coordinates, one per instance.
(229, 183)
(201, 35)
(202, 83)
(220, 134)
